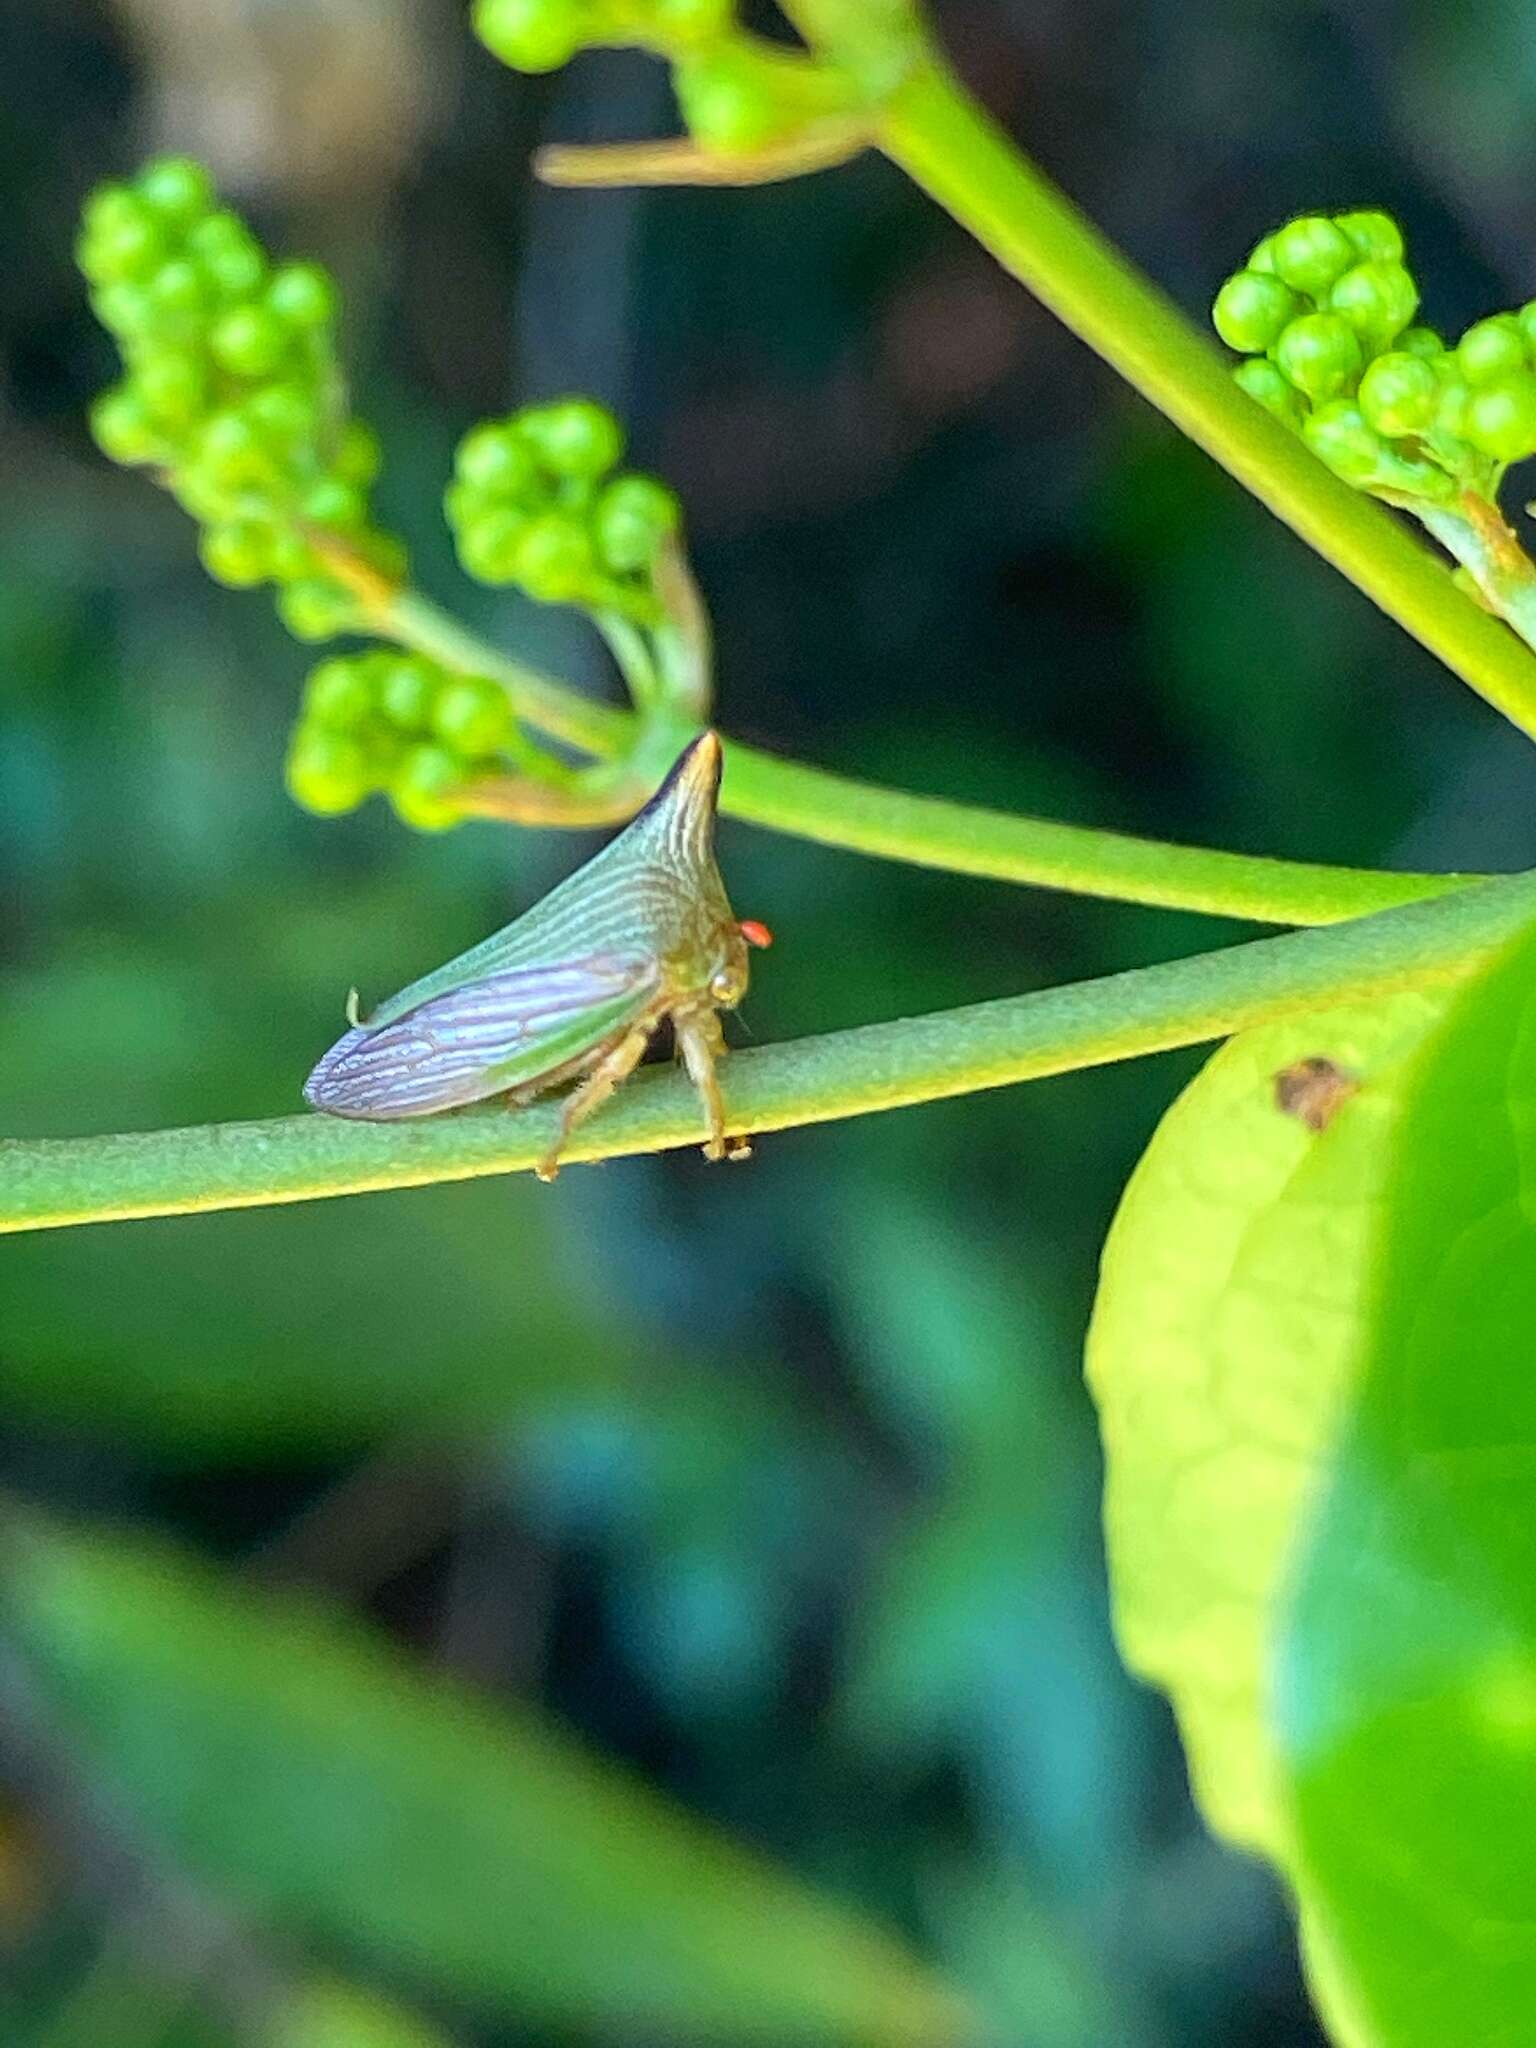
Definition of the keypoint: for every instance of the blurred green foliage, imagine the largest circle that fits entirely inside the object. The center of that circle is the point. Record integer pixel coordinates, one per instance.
(778, 1486)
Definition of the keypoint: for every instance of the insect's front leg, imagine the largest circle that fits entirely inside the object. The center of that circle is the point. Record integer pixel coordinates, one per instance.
(614, 1066)
(700, 1043)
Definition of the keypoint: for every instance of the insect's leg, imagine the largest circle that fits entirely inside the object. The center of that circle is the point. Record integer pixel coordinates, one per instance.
(701, 1042)
(615, 1065)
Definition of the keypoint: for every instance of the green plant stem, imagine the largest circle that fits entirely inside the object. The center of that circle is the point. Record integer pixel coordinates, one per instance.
(931, 832)
(555, 708)
(46, 1183)
(950, 147)
(1494, 559)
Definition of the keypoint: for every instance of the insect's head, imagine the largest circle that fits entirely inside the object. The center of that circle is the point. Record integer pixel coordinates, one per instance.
(728, 983)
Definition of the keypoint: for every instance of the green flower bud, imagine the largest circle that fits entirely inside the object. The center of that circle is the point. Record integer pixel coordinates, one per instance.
(495, 459)
(532, 35)
(1421, 341)
(238, 552)
(126, 310)
(408, 689)
(1311, 254)
(1262, 381)
(302, 296)
(1400, 394)
(176, 188)
(1251, 309)
(553, 559)
(1378, 299)
(249, 342)
(316, 608)
(1262, 256)
(464, 507)
(336, 505)
(1351, 448)
(1319, 354)
(283, 418)
(231, 454)
(1491, 349)
(123, 429)
(228, 255)
(488, 545)
(633, 518)
(327, 772)
(293, 559)
(358, 455)
(574, 437)
(472, 716)
(419, 788)
(121, 240)
(107, 211)
(174, 388)
(178, 304)
(1376, 236)
(730, 99)
(339, 693)
(1501, 417)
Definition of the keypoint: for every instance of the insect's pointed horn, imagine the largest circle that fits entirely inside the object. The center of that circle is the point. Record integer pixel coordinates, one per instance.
(682, 812)
(696, 777)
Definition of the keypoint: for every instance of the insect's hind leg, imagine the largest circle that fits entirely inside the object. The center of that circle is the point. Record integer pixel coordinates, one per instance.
(700, 1043)
(615, 1065)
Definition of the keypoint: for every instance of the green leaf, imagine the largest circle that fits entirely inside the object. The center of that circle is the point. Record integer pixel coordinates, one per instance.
(320, 1780)
(1224, 1341)
(1408, 1675)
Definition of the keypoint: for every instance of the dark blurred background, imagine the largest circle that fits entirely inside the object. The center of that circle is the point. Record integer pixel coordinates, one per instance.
(777, 1488)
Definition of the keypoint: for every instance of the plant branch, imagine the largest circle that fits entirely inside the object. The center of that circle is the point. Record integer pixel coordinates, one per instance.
(950, 147)
(1475, 533)
(46, 1183)
(929, 831)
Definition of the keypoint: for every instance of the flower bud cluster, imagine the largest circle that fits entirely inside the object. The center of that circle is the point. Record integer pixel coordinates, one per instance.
(1322, 314)
(399, 724)
(537, 502)
(737, 91)
(232, 390)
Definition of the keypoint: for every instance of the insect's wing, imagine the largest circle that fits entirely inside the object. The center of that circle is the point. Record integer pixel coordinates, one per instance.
(484, 1036)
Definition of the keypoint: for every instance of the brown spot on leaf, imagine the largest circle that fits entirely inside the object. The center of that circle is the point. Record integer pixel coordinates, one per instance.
(1314, 1090)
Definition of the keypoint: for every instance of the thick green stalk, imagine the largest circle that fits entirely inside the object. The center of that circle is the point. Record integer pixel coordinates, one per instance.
(949, 146)
(931, 832)
(46, 1183)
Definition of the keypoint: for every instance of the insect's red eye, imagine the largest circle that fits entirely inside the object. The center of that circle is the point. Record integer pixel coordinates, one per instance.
(754, 933)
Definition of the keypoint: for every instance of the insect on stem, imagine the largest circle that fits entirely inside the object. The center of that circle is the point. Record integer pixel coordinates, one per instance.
(573, 990)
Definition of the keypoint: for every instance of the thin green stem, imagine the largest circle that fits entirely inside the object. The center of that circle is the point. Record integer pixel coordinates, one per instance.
(1478, 538)
(949, 146)
(52, 1182)
(931, 832)
(553, 707)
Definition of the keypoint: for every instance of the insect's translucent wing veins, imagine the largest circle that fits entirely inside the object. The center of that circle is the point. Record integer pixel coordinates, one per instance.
(482, 1037)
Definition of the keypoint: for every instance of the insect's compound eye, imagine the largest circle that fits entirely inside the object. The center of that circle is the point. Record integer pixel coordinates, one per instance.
(727, 986)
